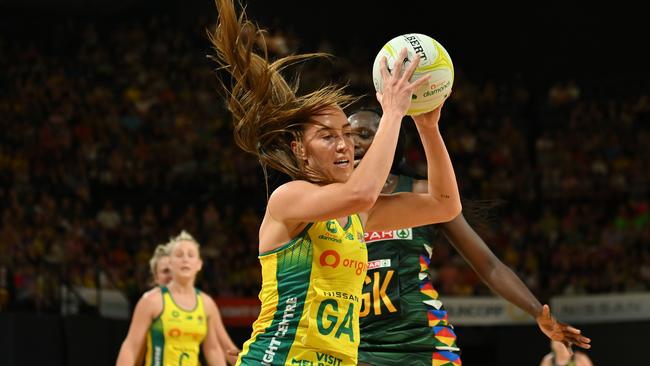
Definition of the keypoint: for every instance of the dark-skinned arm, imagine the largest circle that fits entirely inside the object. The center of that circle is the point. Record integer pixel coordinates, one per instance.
(503, 281)
(496, 275)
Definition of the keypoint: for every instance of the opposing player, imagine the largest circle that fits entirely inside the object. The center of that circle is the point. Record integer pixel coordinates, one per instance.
(403, 321)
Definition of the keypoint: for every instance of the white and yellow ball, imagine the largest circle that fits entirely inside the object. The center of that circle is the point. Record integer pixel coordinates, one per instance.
(434, 60)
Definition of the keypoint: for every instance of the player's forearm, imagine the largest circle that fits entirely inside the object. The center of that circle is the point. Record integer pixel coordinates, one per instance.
(373, 169)
(441, 177)
(215, 357)
(503, 281)
(223, 337)
(226, 343)
(492, 271)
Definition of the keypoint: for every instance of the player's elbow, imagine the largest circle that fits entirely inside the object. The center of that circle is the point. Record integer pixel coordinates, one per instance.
(448, 209)
(455, 209)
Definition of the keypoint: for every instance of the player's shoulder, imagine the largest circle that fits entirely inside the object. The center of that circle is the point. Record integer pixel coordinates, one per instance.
(156, 291)
(290, 187)
(208, 302)
(153, 295)
(288, 193)
(151, 299)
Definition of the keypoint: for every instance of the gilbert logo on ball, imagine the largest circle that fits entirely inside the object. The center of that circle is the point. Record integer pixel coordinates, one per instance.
(434, 60)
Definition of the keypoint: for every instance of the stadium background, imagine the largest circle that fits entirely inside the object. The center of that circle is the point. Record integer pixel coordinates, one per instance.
(113, 139)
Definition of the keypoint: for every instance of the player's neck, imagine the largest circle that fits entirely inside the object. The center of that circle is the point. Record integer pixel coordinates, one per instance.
(181, 286)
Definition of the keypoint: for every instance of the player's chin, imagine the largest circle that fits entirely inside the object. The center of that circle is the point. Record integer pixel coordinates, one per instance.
(342, 175)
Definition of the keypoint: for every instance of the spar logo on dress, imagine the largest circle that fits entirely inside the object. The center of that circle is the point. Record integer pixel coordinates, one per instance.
(379, 263)
(400, 234)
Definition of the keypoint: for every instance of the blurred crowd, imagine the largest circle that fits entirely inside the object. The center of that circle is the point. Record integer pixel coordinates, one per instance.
(114, 138)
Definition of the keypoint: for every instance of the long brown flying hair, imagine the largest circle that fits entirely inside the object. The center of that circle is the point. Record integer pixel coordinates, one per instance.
(268, 114)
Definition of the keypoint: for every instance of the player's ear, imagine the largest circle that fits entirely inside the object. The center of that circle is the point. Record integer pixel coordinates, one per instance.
(298, 149)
